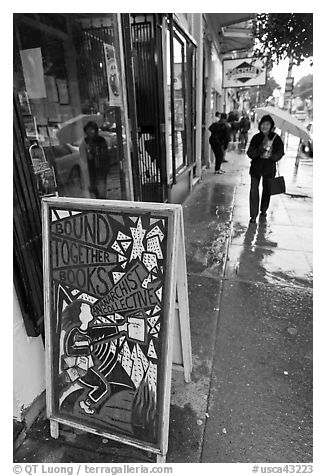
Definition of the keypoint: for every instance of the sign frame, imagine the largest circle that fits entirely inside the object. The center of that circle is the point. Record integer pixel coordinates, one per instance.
(289, 83)
(243, 72)
(175, 313)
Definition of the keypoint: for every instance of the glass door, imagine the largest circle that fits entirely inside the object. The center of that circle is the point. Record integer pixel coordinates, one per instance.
(181, 101)
(179, 93)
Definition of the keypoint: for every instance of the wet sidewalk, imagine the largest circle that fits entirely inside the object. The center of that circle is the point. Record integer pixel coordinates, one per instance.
(260, 403)
(250, 297)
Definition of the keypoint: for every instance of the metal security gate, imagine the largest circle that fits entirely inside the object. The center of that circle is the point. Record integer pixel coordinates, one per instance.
(92, 75)
(27, 233)
(146, 41)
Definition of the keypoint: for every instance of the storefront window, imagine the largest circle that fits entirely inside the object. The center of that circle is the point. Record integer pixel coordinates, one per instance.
(169, 164)
(67, 77)
(179, 102)
(181, 93)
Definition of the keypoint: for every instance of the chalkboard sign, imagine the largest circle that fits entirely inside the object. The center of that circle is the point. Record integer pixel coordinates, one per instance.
(111, 286)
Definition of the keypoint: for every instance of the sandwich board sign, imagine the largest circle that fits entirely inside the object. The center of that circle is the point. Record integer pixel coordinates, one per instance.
(116, 317)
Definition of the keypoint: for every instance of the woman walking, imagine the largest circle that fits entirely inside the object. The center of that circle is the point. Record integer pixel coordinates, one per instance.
(219, 140)
(265, 149)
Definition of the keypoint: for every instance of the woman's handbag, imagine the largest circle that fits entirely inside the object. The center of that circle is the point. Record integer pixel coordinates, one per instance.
(276, 185)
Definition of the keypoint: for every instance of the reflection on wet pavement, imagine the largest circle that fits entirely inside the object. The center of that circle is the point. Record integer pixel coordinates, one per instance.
(260, 395)
(272, 253)
(207, 217)
(277, 250)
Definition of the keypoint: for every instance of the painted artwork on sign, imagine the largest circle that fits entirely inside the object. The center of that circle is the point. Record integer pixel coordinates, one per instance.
(107, 286)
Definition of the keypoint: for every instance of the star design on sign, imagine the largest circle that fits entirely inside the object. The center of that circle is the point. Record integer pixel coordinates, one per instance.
(153, 325)
(138, 234)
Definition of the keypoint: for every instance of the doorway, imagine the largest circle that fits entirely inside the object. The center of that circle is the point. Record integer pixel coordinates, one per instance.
(146, 43)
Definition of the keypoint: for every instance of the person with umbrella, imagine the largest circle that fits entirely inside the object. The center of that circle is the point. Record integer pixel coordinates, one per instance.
(95, 160)
(265, 149)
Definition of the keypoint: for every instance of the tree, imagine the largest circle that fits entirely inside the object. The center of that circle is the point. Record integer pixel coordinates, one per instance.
(304, 87)
(283, 35)
(260, 94)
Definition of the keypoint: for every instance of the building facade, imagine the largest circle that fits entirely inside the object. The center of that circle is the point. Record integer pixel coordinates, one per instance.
(147, 85)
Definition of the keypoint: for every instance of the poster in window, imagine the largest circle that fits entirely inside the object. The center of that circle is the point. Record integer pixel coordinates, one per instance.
(113, 78)
(40, 111)
(179, 118)
(63, 91)
(108, 319)
(51, 88)
(54, 112)
(33, 72)
(178, 77)
(24, 103)
(30, 126)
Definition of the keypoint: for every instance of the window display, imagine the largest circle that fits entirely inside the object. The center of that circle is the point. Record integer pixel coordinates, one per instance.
(67, 74)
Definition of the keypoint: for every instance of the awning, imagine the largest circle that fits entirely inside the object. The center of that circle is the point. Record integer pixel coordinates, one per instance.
(231, 31)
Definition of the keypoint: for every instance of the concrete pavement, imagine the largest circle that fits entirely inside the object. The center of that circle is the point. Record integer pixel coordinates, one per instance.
(250, 297)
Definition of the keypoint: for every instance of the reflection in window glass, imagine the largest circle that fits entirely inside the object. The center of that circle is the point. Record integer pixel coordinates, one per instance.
(179, 102)
(180, 144)
(66, 74)
(169, 123)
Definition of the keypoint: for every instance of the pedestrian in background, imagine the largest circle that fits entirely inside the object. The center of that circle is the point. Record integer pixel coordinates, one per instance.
(265, 149)
(95, 161)
(233, 120)
(244, 126)
(219, 140)
(229, 135)
(217, 116)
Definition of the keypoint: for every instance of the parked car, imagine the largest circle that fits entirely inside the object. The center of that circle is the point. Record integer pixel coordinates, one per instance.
(109, 132)
(301, 115)
(65, 157)
(307, 146)
(65, 160)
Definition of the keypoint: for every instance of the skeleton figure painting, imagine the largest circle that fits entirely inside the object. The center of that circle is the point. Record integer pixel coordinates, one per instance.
(107, 289)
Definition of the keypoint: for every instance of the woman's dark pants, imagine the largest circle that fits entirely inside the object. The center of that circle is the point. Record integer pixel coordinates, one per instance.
(254, 195)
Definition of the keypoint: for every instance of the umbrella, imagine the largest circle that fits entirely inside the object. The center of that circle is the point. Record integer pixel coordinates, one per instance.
(72, 131)
(284, 121)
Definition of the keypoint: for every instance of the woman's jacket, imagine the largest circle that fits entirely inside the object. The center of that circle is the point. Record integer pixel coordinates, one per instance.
(259, 166)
